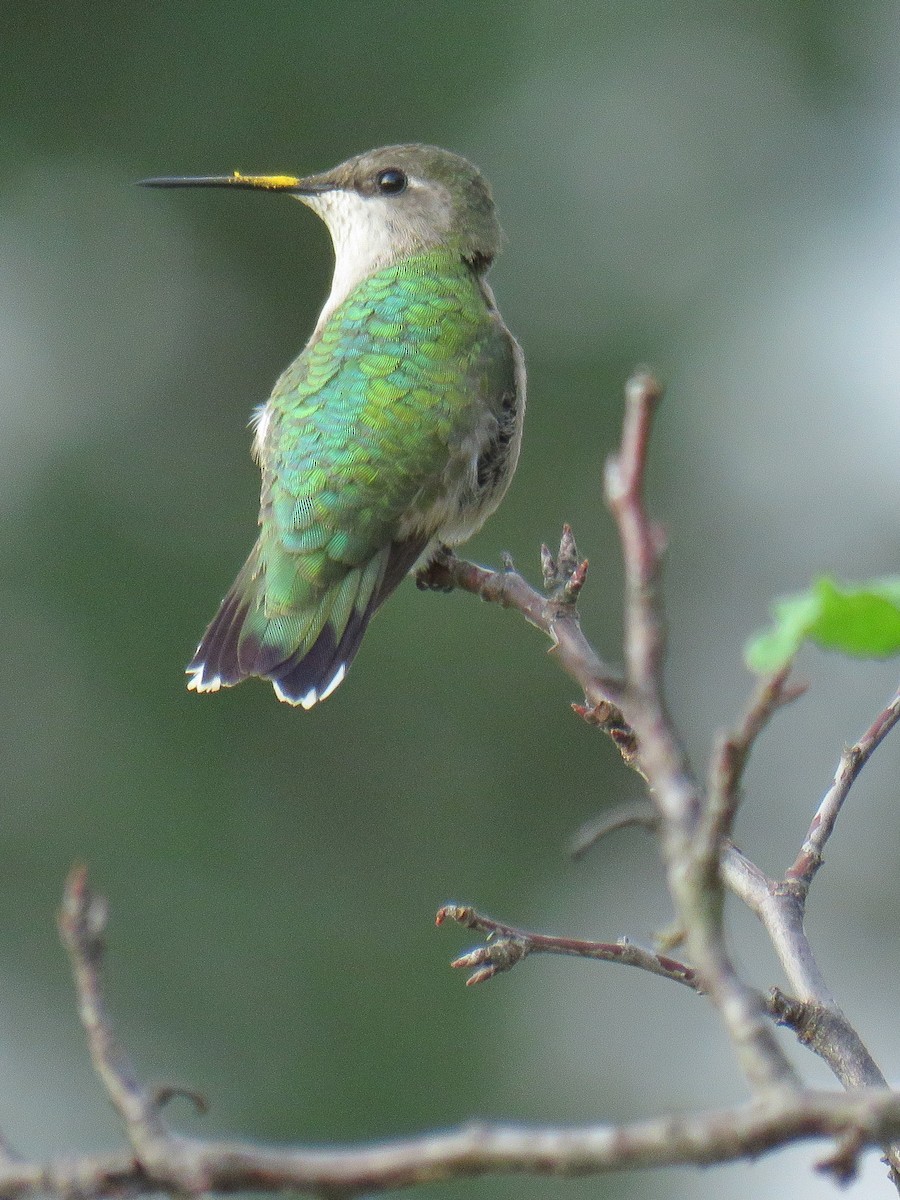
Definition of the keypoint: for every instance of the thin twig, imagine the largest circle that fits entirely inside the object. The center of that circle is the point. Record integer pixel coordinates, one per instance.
(193, 1166)
(842, 1049)
(507, 945)
(82, 921)
(672, 781)
(555, 615)
(732, 750)
(155, 1148)
(643, 543)
(690, 849)
(830, 1034)
(780, 906)
(812, 1011)
(641, 812)
(810, 857)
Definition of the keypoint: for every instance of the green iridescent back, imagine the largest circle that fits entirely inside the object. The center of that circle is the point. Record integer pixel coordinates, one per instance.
(369, 422)
(372, 447)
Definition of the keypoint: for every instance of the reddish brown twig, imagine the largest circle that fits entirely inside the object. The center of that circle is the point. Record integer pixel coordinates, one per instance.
(507, 945)
(643, 543)
(732, 750)
(690, 847)
(555, 614)
(854, 758)
(693, 827)
(190, 1166)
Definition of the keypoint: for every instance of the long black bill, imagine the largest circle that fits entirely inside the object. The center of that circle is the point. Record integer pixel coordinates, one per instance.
(266, 183)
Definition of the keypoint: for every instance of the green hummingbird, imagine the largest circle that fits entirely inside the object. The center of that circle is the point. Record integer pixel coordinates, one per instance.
(396, 430)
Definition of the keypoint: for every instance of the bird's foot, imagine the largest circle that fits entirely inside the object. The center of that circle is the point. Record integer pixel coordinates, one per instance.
(434, 576)
(565, 574)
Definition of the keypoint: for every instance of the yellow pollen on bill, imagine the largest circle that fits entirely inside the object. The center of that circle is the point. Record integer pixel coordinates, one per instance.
(265, 181)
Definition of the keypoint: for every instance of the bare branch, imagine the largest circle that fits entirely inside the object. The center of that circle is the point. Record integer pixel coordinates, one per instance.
(858, 1119)
(693, 828)
(641, 812)
(82, 921)
(162, 1162)
(829, 1033)
(813, 1013)
(155, 1151)
(635, 715)
(555, 615)
(643, 542)
(507, 945)
(780, 906)
(810, 857)
(690, 848)
(733, 749)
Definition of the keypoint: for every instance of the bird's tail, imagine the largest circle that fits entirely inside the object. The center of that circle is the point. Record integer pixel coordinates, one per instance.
(304, 650)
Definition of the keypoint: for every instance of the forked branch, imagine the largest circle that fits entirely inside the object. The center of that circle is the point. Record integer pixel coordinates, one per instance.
(694, 825)
(160, 1161)
(507, 945)
(854, 758)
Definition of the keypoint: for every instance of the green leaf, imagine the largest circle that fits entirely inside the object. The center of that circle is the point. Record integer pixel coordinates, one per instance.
(861, 619)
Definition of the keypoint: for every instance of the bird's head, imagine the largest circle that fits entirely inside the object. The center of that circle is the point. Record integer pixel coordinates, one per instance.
(387, 204)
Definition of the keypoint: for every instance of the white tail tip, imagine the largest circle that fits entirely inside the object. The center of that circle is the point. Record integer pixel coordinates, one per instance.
(197, 683)
(311, 698)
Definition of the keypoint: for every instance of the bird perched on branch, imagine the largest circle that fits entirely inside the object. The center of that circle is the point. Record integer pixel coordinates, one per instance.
(395, 431)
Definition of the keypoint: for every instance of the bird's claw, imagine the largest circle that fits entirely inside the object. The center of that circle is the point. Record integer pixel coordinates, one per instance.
(565, 574)
(434, 576)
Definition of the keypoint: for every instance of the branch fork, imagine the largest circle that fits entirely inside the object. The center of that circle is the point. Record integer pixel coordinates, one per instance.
(694, 825)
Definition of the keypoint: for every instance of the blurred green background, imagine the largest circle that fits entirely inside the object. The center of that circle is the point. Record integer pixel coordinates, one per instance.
(711, 188)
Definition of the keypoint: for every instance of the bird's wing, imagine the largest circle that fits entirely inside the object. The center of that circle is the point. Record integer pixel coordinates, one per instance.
(369, 440)
(377, 427)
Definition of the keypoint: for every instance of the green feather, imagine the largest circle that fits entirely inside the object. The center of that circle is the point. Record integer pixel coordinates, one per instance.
(369, 447)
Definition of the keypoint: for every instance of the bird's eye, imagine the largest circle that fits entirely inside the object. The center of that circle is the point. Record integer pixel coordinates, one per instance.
(391, 182)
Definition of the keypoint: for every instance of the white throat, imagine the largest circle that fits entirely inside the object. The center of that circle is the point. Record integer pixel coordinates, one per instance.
(364, 237)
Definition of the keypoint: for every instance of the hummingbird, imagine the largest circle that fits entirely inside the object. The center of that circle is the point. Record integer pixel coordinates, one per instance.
(393, 434)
